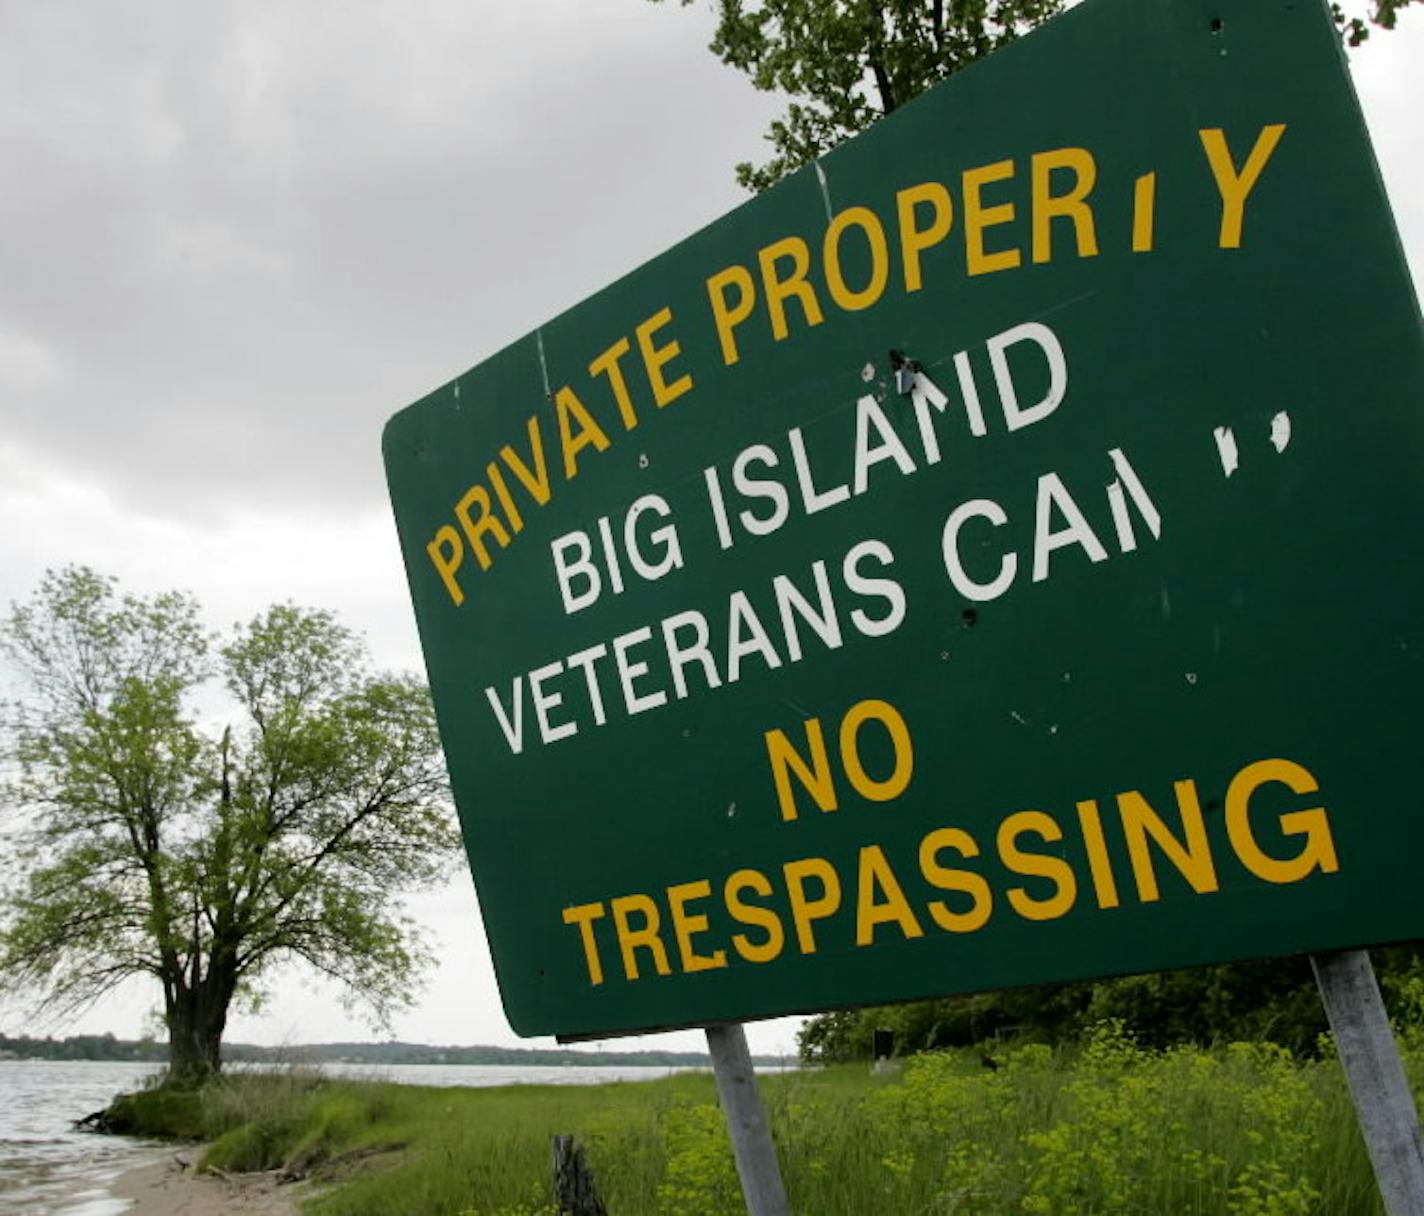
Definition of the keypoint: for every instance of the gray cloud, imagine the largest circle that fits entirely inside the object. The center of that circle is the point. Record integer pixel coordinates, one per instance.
(238, 237)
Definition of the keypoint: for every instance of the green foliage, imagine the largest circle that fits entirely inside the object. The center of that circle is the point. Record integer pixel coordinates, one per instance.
(83, 1047)
(535, 1207)
(1108, 1127)
(1050, 1013)
(700, 1178)
(1274, 1001)
(487, 1150)
(1105, 1126)
(165, 1112)
(145, 843)
(1356, 28)
(293, 1121)
(842, 64)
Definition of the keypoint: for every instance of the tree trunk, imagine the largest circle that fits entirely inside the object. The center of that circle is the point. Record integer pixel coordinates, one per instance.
(197, 1017)
(194, 1047)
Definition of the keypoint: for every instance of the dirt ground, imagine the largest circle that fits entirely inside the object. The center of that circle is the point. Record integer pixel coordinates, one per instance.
(170, 1188)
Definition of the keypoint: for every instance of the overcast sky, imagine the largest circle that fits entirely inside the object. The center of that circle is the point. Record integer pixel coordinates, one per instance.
(236, 237)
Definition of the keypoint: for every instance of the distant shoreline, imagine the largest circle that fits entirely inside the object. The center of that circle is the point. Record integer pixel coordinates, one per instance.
(109, 1049)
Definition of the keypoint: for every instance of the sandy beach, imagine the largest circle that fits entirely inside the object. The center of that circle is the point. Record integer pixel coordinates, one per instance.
(166, 1188)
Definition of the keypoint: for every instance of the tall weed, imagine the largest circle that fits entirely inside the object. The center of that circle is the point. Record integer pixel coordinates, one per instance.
(1106, 1127)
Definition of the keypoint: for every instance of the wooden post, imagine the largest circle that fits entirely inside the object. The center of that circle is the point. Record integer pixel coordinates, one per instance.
(746, 1121)
(575, 1191)
(1383, 1103)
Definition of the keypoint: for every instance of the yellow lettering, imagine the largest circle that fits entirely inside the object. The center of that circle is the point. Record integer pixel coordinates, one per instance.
(630, 939)
(914, 241)
(1036, 865)
(876, 876)
(506, 500)
(978, 217)
(446, 552)
(947, 879)
(607, 364)
(779, 290)
(685, 924)
(752, 914)
(536, 482)
(1192, 859)
(583, 916)
(820, 784)
(655, 358)
(1047, 206)
(1318, 851)
(589, 434)
(727, 317)
(804, 910)
(1144, 199)
(1234, 187)
(869, 223)
(1099, 864)
(475, 529)
(889, 717)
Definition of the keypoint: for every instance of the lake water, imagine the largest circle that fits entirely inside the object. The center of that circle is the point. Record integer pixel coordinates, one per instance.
(49, 1169)
(45, 1165)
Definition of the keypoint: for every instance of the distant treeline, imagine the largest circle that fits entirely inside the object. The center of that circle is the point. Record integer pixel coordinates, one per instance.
(84, 1047)
(107, 1047)
(421, 1053)
(1268, 1000)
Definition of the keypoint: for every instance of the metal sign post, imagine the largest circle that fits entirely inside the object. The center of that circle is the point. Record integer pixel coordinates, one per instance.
(746, 1121)
(1383, 1103)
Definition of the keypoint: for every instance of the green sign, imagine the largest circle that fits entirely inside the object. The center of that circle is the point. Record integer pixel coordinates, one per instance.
(990, 557)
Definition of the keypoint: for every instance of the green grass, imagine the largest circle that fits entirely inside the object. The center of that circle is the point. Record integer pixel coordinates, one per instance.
(1102, 1128)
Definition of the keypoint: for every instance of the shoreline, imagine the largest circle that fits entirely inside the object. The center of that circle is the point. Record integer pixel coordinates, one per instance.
(169, 1188)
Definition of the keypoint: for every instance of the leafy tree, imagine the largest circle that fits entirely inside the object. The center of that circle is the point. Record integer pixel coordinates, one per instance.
(1383, 13)
(156, 829)
(1274, 1000)
(844, 63)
